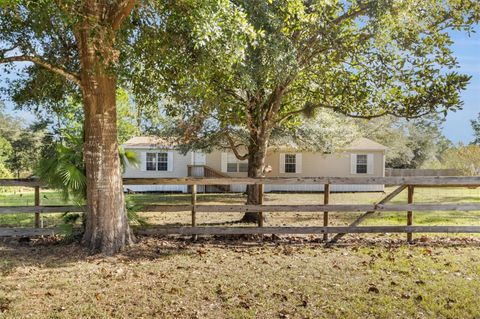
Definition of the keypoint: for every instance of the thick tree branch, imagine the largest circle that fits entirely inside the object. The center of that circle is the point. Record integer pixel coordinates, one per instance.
(234, 147)
(122, 11)
(366, 117)
(274, 101)
(290, 114)
(3, 51)
(28, 58)
(354, 13)
(356, 116)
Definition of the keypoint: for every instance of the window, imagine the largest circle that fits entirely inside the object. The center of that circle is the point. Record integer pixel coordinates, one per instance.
(157, 161)
(162, 164)
(234, 165)
(243, 167)
(151, 161)
(362, 164)
(290, 163)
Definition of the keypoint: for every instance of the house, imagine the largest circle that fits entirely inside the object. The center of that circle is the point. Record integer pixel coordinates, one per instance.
(159, 158)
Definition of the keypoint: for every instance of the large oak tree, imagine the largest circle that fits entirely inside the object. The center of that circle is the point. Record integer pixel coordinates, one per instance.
(76, 40)
(360, 58)
(85, 49)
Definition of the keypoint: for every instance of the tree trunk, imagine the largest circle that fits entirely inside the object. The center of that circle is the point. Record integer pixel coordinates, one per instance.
(257, 152)
(106, 230)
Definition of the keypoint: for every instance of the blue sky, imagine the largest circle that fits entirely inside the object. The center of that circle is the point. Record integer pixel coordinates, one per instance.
(457, 126)
(467, 49)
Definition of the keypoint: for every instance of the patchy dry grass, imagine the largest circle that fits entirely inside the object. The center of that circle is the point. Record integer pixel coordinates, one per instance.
(293, 278)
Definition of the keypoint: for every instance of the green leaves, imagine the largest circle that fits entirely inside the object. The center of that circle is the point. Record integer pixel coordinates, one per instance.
(360, 59)
(476, 130)
(64, 168)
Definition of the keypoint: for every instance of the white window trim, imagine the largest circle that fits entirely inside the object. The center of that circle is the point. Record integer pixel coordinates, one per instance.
(230, 158)
(169, 160)
(370, 163)
(282, 163)
(298, 163)
(143, 160)
(285, 163)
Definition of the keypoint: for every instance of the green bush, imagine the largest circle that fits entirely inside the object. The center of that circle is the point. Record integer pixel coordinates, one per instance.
(4, 173)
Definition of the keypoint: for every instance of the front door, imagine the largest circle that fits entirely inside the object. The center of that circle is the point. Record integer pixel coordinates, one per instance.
(199, 158)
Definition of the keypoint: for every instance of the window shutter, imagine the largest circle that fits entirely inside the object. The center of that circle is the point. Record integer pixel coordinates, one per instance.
(353, 163)
(298, 163)
(370, 164)
(224, 162)
(282, 163)
(143, 161)
(170, 161)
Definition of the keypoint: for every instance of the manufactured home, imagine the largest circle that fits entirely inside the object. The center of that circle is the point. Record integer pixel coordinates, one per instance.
(158, 158)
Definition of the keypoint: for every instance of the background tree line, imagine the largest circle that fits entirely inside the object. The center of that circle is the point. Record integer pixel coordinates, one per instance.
(418, 143)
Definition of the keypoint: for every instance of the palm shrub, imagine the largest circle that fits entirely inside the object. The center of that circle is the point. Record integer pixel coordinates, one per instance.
(63, 168)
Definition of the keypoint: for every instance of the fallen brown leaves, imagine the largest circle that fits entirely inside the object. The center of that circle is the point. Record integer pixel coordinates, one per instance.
(288, 278)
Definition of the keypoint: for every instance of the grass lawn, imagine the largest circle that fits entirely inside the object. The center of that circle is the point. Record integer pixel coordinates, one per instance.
(161, 278)
(365, 276)
(15, 196)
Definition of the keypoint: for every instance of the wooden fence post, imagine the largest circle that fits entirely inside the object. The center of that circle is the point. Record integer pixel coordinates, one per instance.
(410, 213)
(37, 203)
(260, 202)
(194, 208)
(326, 199)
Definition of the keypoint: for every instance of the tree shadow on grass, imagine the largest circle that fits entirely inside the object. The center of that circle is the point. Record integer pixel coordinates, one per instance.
(54, 252)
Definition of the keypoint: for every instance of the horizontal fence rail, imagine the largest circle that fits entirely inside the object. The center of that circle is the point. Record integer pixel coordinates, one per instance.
(305, 230)
(205, 208)
(41, 209)
(444, 181)
(437, 181)
(403, 183)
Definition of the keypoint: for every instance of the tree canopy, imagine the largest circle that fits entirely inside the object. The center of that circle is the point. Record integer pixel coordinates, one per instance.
(20, 145)
(84, 50)
(361, 59)
(411, 144)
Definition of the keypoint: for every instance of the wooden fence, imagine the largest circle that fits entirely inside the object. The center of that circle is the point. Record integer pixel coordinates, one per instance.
(402, 183)
(404, 172)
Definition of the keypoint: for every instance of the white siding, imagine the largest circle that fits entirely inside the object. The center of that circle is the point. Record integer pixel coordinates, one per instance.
(353, 163)
(224, 162)
(157, 188)
(312, 188)
(177, 167)
(320, 188)
(282, 163)
(310, 164)
(298, 163)
(370, 163)
(170, 163)
(143, 161)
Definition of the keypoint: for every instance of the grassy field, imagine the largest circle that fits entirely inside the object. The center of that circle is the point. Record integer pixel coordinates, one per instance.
(294, 278)
(365, 276)
(422, 195)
